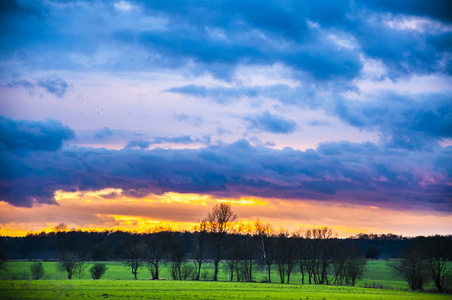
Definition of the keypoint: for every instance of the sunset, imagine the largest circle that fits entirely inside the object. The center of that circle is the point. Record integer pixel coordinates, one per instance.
(123, 116)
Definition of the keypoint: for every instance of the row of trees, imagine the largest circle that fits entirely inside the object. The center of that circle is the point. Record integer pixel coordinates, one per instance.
(316, 253)
(427, 259)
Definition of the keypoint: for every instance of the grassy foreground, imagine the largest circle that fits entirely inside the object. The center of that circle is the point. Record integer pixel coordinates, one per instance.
(147, 289)
(376, 272)
(118, 283)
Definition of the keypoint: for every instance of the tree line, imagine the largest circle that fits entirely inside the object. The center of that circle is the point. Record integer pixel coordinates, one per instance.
(316, 253)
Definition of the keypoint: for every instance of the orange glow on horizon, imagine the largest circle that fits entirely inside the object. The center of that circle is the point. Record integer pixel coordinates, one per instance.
(110, 209)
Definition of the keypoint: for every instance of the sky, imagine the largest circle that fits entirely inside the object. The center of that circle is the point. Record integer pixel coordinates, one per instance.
(130, 114)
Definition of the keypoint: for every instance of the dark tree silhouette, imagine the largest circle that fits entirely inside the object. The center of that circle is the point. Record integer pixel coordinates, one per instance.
(200, 248)
(348, 264)
(177, 255)
(157, 245)
(3, 254)
(300, 252)
(319, 253)
(68, 264)
(37, 270)
(436, 251)
(264, 234)
(220, 222)
(232, 255)
(61, 237)
(249, 250)
(284, 248)
(412, 267)
(133, 253)
(98, 270)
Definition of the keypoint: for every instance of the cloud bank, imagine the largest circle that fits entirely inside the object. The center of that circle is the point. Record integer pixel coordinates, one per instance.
(323, 40)
(337, 171)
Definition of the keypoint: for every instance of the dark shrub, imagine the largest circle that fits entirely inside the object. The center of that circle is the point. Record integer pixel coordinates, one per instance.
(98, 270)
(37, 270)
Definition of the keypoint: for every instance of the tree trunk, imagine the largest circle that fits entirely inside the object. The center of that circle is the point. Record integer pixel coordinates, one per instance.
(215, 274)
(156, 272)
(199, 271)
(269, 272)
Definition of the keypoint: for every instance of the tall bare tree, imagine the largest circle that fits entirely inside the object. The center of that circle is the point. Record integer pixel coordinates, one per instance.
(284, 247)
(319, 253)
(436, 251)
(157, 245)
(68, 264)
(200, 247)
(177, 252)
(413, 268)
(61, 238)
(264, 235)
(249, 249)
(134, 253)
(68, 261)
(220, 221)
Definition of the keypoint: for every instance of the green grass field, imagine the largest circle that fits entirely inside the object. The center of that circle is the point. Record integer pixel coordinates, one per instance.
(166, 289)
(118, 283)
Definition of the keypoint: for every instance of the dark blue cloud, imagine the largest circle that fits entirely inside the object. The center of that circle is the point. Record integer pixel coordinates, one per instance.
(345, 172)
(218, 37)
(271, 123)
(54, 85)
(436, 9)
(412, 122)
(46, 135)
(103, 133)
(141, 144)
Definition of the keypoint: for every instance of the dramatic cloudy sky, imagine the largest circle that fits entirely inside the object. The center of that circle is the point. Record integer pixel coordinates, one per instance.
(125, 114)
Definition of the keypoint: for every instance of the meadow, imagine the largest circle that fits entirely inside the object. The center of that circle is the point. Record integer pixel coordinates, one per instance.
(118, 282)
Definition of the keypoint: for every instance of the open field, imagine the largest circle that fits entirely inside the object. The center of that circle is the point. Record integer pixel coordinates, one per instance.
(117, 283)
(376, 272)
(165, 289)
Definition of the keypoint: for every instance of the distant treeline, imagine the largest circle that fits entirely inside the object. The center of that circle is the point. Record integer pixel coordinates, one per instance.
(316, 253)
(108, 245)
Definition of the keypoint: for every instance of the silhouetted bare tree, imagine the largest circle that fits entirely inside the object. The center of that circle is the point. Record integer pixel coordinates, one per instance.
(61, 237)
(300, 251)
(319, 253)
(412, 267)
(264, 235)
(347, 264)
(248, 250)
(37, 270)
(200, 247)
(133, 253)
(157, 244)
(220, 221)
(436, 251)
(177, 255)
(68, 264)
(284, 248)
(232, 255)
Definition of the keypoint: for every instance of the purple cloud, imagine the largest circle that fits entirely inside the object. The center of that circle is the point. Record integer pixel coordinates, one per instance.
(363, 173)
